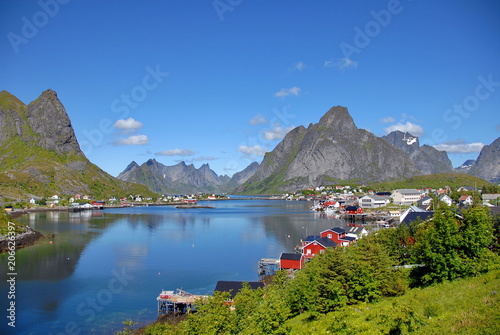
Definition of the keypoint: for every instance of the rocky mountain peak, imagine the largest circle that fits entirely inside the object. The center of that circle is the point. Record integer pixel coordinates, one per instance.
(131, 166)
(487, 165)
(150, 162)
(338, 118)
(46, 115)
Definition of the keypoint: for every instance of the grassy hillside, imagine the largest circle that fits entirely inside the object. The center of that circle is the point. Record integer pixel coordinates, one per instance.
(436, 181)
(465, 306)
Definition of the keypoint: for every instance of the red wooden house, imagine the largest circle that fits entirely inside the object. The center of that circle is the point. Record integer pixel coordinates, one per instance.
(338, 235)
(294, 261)
(317, 246)
(354, 210)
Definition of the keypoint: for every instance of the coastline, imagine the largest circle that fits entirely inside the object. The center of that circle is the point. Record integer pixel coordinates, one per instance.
(22, 240)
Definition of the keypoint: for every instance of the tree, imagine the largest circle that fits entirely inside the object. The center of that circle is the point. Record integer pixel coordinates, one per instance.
(451, 247)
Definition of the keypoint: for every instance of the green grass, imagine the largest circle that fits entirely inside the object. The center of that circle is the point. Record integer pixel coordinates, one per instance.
(466, 306)
(436, 181)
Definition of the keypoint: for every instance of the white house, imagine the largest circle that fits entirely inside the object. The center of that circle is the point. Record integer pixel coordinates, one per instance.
(55, 199)
(446, 199)
(406, 196)
(374, 201)
(466, 200)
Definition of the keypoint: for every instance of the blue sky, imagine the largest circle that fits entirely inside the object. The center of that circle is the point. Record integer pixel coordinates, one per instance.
(221, 82)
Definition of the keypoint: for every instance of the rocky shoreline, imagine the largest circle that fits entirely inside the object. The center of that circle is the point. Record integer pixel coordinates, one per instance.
(24, 239)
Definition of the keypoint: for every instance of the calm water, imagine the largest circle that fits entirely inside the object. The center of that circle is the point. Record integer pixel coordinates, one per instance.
(104, 267)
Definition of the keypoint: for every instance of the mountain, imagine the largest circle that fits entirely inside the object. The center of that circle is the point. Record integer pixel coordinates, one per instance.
(182, 178)
(487, 165)
(241, 177)
(465, 167)
(40, 155)
(427, 159)
(326, 152)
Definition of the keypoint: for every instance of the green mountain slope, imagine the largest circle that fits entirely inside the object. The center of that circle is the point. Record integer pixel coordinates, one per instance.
(436, 181)
(40, 155)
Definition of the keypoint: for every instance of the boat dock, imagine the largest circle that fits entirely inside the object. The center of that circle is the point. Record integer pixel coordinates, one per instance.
(180, 302)
(268, 266)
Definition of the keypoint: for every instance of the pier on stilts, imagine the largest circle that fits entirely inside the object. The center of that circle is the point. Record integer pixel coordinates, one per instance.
(268, 267)
(176, 303)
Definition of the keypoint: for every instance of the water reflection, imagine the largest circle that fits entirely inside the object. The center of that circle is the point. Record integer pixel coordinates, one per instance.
(163, 247)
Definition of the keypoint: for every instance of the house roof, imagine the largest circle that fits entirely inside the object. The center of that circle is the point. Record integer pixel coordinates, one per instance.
(414, 216)
(355, 230)
(464, 197)
(336, 230)
(407, 191)
(377, 197)
(234, 287)
(348, 238)
(311, 238)
(325, 242)
(291, 256)
(495, 210)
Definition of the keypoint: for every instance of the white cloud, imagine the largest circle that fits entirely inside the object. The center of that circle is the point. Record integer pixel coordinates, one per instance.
(258, 119)
(460, 147)
(205, 158)
(284, 92)
(387, 120)
(277, 132)
(128, 124)
(346, 63)
(409, 127)
(176, 152)
(342, 63)
(133, 140)
(299, 66)
(254, 150)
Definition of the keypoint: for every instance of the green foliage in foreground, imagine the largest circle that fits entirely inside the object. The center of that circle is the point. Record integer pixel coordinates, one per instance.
(363, 289)
(4, 224)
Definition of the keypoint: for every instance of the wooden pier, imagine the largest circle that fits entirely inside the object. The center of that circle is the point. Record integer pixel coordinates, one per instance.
(267, 267)
(175, 303)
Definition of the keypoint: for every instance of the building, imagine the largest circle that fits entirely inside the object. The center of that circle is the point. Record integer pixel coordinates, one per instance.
(353, 210)
(317, 246)
(292, 261)
(356, 231)
(414, 213)
(406, 196)
(374, 201)
(338, 235)
(446, 199)
(466, 200)
(233, 287)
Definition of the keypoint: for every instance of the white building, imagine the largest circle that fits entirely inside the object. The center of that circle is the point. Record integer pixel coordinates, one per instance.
(374, 201)
(406, 196)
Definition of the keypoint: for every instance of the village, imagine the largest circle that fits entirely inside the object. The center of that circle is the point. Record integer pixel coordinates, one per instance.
(385, 209)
